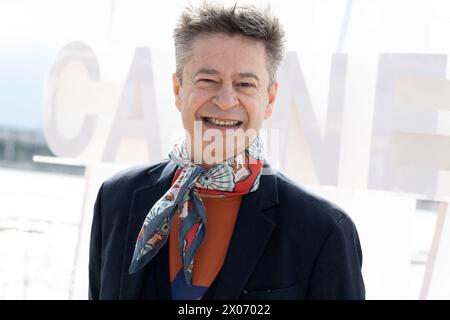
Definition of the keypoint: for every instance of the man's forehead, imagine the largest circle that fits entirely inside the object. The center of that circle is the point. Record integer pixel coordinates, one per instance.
(220, 46)
(219, 54)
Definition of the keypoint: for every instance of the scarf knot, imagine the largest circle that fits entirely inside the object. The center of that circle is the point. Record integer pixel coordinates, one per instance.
(238, 175)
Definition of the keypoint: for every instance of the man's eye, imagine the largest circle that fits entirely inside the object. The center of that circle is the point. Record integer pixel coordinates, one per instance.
(207, 80)
(246, 85)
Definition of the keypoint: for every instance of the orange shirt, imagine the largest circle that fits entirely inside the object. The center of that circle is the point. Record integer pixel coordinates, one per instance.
(221, 216)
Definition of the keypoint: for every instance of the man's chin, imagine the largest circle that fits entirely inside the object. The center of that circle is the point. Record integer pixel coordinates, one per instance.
(211, 157)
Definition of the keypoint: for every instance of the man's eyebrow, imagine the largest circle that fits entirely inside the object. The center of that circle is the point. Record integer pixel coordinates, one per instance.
(207, 71)
(215, 72)
(249, 75)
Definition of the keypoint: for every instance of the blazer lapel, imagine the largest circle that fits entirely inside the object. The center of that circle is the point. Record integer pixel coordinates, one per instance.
(156, 273)
(252, 231)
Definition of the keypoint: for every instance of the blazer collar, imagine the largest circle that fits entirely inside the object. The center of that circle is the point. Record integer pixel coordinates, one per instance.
(253, 228)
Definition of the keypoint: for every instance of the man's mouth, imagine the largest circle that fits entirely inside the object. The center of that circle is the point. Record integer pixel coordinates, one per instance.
(221, 123)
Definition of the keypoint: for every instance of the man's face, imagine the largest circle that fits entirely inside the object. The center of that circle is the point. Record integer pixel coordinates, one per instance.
(224, 94)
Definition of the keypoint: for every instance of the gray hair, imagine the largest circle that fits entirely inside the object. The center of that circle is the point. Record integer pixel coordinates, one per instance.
(245, 20)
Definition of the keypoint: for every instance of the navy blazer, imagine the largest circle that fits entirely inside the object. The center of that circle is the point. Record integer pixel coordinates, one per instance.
(286, 243)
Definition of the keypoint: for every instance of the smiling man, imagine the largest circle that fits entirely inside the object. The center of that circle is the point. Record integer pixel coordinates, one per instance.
(214, 221)
(225, 89)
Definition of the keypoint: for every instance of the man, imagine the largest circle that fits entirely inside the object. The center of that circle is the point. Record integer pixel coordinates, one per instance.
(214, 221)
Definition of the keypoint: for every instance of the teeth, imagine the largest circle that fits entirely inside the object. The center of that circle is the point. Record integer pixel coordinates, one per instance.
(222, 122)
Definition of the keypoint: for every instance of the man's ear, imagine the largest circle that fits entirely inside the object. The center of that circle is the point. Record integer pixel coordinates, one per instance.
(273, 93)
(176, 90)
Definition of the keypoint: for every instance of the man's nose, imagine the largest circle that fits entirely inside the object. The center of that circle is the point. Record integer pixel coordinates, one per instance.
(226, 97)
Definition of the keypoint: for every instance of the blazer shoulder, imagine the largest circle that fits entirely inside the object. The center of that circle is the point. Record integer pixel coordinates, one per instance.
(307, 207)
(116, 194)
(134, 177)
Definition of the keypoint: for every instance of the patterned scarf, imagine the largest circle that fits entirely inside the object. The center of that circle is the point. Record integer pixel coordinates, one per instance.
(236, 176)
